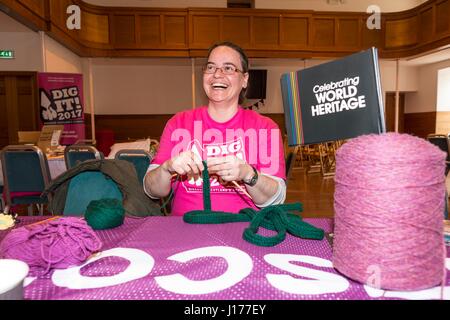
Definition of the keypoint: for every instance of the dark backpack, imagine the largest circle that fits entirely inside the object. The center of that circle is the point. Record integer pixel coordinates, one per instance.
(72, 191)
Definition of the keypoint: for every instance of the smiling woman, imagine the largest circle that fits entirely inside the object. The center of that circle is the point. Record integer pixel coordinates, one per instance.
(232, 62)
(249, 170)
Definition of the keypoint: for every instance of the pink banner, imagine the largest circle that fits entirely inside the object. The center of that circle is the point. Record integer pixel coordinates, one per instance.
(61, 103)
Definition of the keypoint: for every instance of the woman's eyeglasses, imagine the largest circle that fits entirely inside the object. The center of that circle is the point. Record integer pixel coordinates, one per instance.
(228, 69)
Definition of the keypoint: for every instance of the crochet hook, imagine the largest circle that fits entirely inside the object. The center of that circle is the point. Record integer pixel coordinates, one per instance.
(242, 189)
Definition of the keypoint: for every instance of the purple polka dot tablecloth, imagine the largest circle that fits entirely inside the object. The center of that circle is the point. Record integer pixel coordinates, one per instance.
(164, 258)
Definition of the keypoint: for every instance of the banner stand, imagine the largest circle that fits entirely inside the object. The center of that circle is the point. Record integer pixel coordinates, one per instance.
(91, 100)
(61, 103)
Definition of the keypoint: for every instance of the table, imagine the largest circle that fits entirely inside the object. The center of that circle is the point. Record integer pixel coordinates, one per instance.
(163, 258)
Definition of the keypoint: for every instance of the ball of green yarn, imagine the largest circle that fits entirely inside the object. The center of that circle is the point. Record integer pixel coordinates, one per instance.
(104, 214)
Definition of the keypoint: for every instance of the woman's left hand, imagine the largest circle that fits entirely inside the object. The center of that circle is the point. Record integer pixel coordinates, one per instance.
(229, 168)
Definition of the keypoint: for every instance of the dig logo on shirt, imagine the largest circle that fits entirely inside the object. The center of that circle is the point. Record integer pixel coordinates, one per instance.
(235, 148)
(221, 150)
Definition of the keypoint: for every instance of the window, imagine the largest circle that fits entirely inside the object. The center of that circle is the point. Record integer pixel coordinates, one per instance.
(443, 90)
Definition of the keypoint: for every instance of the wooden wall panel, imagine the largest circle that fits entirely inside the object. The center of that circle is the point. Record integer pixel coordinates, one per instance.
(94, 28)
(348, 33)
(236, 29)
(36, 6)
(57, 27)
(278, 118)
(324, 31)
(2, 90)
(442, 122)
(4, 136)
(371, 38)
(266, 31)
(205, 30)
(400, 33)
(19, 106)
(175, 30)
(130, 127)
(295, 31)
(420, 124)
(26, 97)
(31, 13)
(389, 112)
(149, 29)
(124, 30)
(426, 25)
(133, 127)
(263, 32)
(58, 12)
(442, 16)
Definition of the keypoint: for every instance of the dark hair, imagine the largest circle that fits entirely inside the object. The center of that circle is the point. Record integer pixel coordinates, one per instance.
(243, 57)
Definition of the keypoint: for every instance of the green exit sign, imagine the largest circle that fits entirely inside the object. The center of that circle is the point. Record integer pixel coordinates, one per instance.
(6, 54)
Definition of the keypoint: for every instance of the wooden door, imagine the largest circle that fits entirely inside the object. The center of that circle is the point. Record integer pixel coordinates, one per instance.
(19, 105)
(390, 112)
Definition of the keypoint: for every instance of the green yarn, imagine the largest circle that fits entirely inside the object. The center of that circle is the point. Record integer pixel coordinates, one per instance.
(278, 218)
(105, 213)
(206, 186)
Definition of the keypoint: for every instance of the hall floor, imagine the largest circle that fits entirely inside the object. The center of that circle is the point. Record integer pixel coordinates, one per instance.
(317, 193)
(313, 191)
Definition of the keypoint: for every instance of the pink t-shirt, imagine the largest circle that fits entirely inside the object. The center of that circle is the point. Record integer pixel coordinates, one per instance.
(248, 135)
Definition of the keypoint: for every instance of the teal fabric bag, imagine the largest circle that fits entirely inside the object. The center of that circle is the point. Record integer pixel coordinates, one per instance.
(88, 186)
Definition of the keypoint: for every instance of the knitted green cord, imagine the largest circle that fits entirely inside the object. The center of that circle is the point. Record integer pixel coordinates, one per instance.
(206, 186)
(277, 218)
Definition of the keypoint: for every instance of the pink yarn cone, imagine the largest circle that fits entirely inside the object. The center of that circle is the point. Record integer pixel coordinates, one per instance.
(52, 244)
(389, 210)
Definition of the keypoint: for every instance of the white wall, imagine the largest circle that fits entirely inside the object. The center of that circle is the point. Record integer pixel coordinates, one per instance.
(141, 86)
(443, 90)
(425, 99)
(347, 5)
(163, 86)
(275, 68)
(408, 77)
(200, 96)
(29, 56)
(24, 42)
(60, 59)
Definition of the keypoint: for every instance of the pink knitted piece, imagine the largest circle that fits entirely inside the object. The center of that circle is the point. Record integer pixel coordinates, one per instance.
(53, 244)
(389, 209)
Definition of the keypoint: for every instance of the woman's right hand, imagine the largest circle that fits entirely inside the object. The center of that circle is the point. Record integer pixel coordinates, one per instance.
(186, 163)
